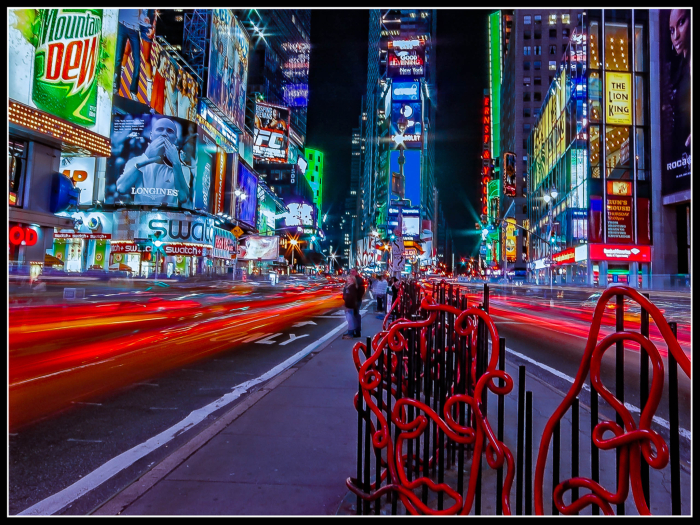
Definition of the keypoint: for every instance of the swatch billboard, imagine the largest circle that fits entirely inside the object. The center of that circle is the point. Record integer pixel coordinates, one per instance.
(676, 112)
(227, 82)
(154, 159)
(61, 61)
(271, 133)
(247, 184)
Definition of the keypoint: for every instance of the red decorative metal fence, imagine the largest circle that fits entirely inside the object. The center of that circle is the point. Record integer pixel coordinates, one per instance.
(423, 414)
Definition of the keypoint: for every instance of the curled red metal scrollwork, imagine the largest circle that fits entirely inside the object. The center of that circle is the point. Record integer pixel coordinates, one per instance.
(632, 438)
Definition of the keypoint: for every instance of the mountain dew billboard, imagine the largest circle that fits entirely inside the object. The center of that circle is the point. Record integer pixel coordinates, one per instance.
(61, 61)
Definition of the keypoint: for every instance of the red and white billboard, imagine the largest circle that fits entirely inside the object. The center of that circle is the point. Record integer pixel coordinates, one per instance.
(617, 252)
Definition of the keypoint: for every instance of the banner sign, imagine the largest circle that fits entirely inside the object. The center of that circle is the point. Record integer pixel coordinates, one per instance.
(510, 240)
(618, 100)
(565, 257)
(271, 140)
(73, 235)
(611, 252)
(620, 219)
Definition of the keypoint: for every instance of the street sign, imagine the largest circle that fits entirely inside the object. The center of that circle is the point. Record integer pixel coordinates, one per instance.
(237, 231)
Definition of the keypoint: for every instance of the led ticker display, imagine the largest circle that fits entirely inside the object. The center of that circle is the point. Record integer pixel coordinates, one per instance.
(406, 58)
(271, 140)
(509, 174)
(406, 126)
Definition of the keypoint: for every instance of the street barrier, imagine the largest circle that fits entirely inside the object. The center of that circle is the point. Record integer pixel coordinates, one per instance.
(423, 415)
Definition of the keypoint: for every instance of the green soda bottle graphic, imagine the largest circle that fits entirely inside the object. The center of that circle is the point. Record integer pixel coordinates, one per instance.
(65, 64)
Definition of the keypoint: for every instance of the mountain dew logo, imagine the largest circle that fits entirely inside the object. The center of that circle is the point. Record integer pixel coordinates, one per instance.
(66, 62)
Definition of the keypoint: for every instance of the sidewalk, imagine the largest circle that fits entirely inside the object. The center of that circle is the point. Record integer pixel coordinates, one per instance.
(288, 449)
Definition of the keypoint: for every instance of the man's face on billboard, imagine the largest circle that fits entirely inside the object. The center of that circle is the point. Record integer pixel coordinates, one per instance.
(165, 128)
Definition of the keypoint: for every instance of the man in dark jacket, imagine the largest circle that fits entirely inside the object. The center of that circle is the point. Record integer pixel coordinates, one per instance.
(360, 294)
(350, 300)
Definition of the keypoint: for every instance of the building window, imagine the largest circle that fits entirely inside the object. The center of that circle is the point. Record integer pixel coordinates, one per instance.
(538, 34)
(527, 34)
(551, 79)
(565, 18)
(526, 50)
(552, 19)
(552, 65)
(527, 111)
(526, 81)
(526, 66)
(538, 81)
(538, 50)
(538, 65)
(553, 49)
(527, 19)
(526, 129)
(525, 144)
(565, 32)
(552, 33)
(538, 19)
(526, 96)
(538, 96)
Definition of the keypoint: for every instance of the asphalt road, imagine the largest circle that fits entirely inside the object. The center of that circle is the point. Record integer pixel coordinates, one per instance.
(137, 426)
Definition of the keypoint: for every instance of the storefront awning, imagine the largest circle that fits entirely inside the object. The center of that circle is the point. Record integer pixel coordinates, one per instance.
(50, 260)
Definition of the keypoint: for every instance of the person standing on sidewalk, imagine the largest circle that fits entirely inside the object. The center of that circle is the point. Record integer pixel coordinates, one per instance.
(379, 289)
(360, 294)
(350, 300)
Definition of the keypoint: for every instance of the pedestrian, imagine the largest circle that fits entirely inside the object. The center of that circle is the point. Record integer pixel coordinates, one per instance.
(360, 294)
(350, 301)
(379, 289)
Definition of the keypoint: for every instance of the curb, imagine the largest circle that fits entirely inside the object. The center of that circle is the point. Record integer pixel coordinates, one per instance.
(123, 499)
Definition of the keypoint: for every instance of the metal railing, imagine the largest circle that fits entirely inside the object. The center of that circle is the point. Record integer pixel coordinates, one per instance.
(424, 431)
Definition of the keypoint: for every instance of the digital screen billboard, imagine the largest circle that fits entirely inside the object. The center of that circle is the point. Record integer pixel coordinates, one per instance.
(61, 61)
(410, 226)
(510, 240)
(411, 172)
(405, 91)
(207, 151)
(254, 247)
(248, 184)
(509, 177)
(549, 133)
(299, 214)
(296, 95)
(675, 80)
(154, 159)
(406, 58)
(271, 140)
(228, 65)
(406, 127)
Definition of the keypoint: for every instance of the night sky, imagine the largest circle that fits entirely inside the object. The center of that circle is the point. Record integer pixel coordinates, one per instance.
(337, 82)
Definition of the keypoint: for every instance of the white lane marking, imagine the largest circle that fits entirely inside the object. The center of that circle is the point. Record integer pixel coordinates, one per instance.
(85, 440)
(268, 340)
(659, 421)
(293, 337)
(302, 323)
(94, 479)
(255, 336)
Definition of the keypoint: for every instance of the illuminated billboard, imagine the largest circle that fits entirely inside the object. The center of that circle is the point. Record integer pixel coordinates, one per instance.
(299, 214)
(296, 95)
(406, 57)
(406, 125)
(675, 82)
(61, 61)
(405, 91)
(618, 100)
(155, 160)
(509, 178)
(247, 184)
(152, 76)
(227, 82)
(411, 173)
(255, 247)
(549, 133)
(510, 240)
(486, 160)
(271, 139)
(80, 170)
